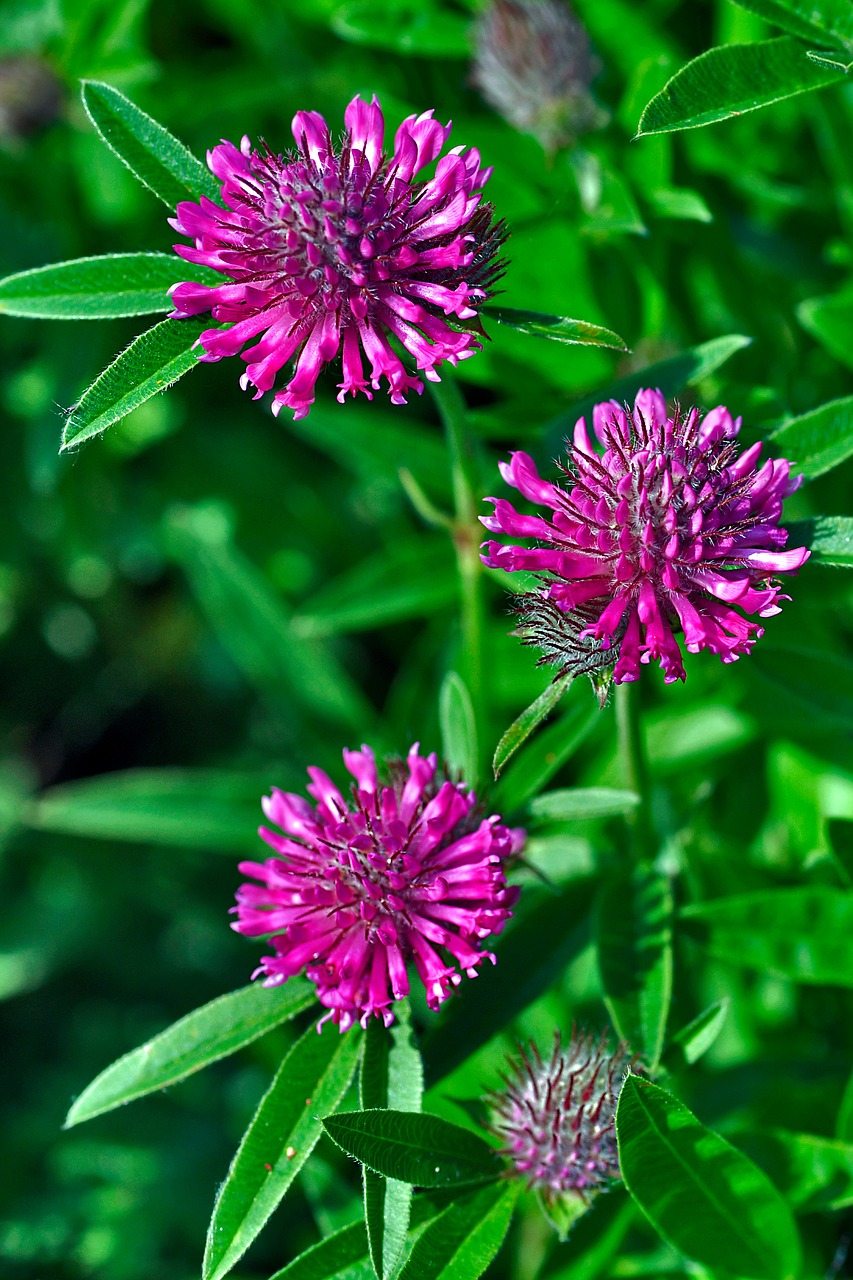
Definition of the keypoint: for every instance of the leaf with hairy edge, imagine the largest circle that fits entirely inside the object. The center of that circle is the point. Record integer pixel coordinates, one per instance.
(804, 934)
(207, 1034)
(153, 361)
(805, 18)
(461, 1243)
(558, 328)
(520, 730)
(669, 375)
(634, 937)
(703, 1195)
(283, 1132)
(691, 1042)
(207, 809)
(423, 1150)
(829, 538)
(153, 155)
(546, 755)
(458, 728)
(733, 79)
(835, 61)
(817, 441)
(102, 288)
(574, 804)
(392, 1076)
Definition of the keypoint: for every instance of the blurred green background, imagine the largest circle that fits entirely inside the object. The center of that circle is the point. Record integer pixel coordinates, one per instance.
(228, 597)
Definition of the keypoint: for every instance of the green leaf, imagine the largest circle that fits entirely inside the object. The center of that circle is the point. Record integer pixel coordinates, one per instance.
(577, 803)
(805, 18)
(804, 934)
(814, 1174)
(597, 1238)
(392, 1076)
(733, 79)
(677, 202)
(115, 284)
(634, 936)
(817, 441)
(423, 1150)
(458, 728)
(521, 728)
(158, 160)
(821, 682)
(692, 1041)
(670, 375)
(153, 361)
(462, 1241)
(836, 61)
(703, 1196)
(830, 539)
(558, 328)
(546, 755)
(311, 1080)
(195, 809)
(844, 1121)
(839, 832)
(404, 27)
(830, 321)
(203, 1036)
(342, 1256)
(255, 626)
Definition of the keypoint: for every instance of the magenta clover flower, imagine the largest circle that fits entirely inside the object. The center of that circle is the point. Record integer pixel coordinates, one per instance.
(405, 871)
(666, 530)
(338, 248)
(556, 1118)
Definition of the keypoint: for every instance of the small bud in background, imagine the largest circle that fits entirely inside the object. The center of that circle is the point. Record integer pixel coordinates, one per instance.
(533, 64)
(30, 97)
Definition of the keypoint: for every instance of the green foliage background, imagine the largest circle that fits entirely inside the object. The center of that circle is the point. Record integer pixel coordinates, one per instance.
(210, 591)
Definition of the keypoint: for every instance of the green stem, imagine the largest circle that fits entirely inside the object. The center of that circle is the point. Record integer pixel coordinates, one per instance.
(632, 752)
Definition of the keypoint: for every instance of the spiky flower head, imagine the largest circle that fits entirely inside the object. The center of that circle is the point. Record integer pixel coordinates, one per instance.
(405, 870)
(557, 1116)
(533, 64)
(665, 528)
(337, 248)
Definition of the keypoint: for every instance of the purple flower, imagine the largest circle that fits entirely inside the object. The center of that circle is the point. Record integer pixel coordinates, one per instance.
(668, 529)
(338, 248)
(557, 1118)
(406, 871)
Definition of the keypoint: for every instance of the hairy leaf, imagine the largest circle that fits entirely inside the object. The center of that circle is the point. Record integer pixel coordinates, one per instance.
(423, 1150)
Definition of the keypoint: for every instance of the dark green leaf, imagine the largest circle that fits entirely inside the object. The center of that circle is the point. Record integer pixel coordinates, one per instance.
(311, 1080)
(804, 934)
(196, 809)
(546, 754)
(558, 328)
(158, 160)
(403, 27)
(830, 321)
(342, 1256)
(805, 18)
(520, 730)
(691, 1042)
(203, 1036)
(634, 936)
(840, 834)
(577, 803)
(458, 728)
(820, 682)
(836, 61)
(817, 441)
(830, 539)
(461, 1243)
(703, 1196)
(153, 361)
(731, 80)
(844, 1120)
(423, 1150)
(813, 1173)
(115, 284)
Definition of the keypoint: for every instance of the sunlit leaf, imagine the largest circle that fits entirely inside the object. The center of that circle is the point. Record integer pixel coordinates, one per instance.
(545, 754)
(809, 19)
(461, 1243)
(115, 284)
(817, 441)
(691, 1042)
(423, 1150)
(576, 803)
(521, 728)
(558, 328)
(830, 539)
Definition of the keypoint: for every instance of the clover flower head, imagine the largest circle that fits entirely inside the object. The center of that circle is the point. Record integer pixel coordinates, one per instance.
(405, 870)
(337, 248)
(557, 1117)
(664, 527)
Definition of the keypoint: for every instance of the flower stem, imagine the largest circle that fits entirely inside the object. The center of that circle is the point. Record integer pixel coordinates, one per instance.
(465, 532)
(632, 751)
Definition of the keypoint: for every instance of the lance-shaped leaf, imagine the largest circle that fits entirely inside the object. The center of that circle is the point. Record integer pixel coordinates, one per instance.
(817, 441)
(731, 80)
(830, 539)
(207, 1034)
(634, 936)
(521, 728)
(423, 1150)
(462, 1241)
(153, 361)
(804, 934)
(392, 1076)
(545, 755)
(691, 1042)
(702, 1194)
(283, 1132)
(572, 804)
(458, 728)
(557, 328)
(102, 288)
(153, 155)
